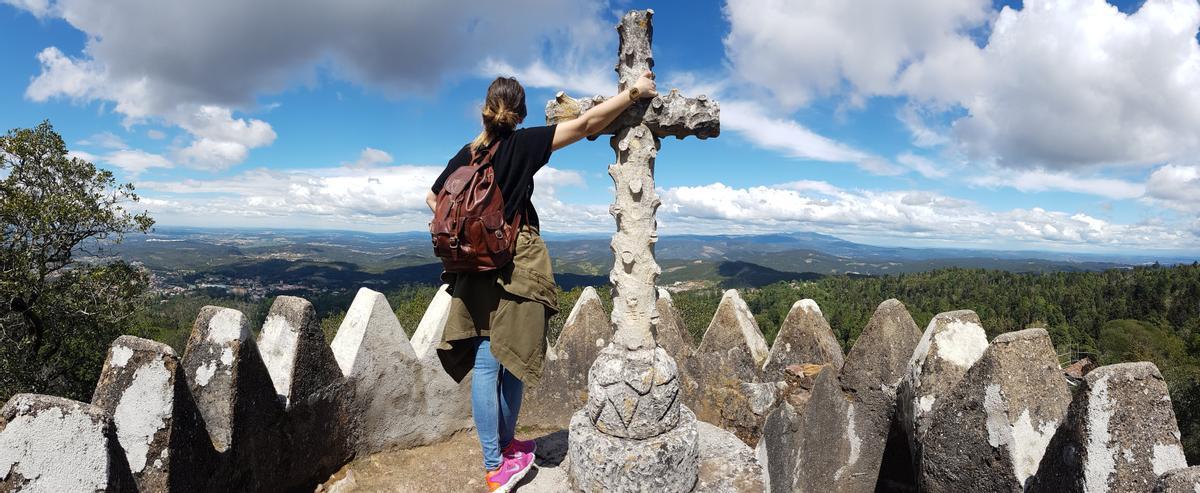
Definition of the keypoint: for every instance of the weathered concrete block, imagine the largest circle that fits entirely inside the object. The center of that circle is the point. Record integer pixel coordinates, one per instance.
(53, 444)
(727, 465)
(227, 378)
(142, 386)
(1119, 435)
(671, 334)
(293, 349)
(398, 399)
(880, 355)
(599, 462)
(776, 449)
(804, 338)
(1186, 480)
(830, 443)
(313, 439)
(429, 331)
(847, 420)
(952, 342)
(734, 333)
(563, 388)
(993, 427)
(718, 396)
(725, 386)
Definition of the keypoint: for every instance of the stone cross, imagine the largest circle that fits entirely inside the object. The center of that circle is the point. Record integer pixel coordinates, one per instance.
(636, 133)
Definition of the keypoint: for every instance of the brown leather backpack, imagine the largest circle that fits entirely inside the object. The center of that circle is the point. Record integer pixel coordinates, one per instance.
(468, 228)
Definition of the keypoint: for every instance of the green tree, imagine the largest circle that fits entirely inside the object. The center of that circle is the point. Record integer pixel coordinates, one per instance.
(61, 300)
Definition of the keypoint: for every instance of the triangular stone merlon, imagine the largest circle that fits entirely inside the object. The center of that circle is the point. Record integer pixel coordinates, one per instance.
(369, 321)
(227, 378)
(589, 301)
(429, 331)
(139, 388)
(294, 351)
(589, 294)
(805, 337)
(746, 329)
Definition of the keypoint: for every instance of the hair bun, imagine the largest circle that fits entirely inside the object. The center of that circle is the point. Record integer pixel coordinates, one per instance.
(500, 118)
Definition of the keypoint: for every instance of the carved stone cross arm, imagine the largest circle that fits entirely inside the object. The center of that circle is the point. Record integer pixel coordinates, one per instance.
(671, 114)
(636, 134)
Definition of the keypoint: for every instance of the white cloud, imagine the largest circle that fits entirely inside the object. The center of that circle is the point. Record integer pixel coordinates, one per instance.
(365, 194)
(751, 121)
(191, 78)
(1058, 85)
(135, 161)
(1039, 180)
(106, 140)
(370, 156)
(86, 156)
(39, 8)
(270, 45)
(799, 50)
(1176, 186)
(1067, 84)
(913, 117)
(62, 76)
(221, 140)
(922, 165)
(155, 134)
(538, 74)
(905, 216)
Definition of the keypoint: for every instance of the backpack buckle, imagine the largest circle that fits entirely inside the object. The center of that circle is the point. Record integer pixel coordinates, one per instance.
(499, 234)
(453, 242)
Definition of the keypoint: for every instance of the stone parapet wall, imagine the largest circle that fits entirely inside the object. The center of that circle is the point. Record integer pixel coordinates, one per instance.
(903, 410)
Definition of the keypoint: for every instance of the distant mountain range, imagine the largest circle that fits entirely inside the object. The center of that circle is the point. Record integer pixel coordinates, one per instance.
(342, 258)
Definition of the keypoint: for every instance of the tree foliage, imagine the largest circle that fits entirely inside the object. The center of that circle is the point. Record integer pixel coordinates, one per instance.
(61, 301)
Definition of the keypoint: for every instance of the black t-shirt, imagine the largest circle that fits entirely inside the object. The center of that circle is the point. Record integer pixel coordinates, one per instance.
(520, 155)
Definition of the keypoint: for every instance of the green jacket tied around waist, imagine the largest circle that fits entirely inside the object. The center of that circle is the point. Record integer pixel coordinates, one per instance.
(511, 305)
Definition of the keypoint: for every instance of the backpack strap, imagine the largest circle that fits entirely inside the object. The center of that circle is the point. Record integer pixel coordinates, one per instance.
(479, 158)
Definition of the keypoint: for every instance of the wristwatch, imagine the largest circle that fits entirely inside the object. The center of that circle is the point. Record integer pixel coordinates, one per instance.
(634, 92)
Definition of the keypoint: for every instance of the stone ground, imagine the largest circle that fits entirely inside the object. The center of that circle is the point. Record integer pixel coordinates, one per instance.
(454, 465)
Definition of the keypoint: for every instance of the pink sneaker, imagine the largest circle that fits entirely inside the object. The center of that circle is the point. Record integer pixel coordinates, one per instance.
(519, 447)
(510, 472)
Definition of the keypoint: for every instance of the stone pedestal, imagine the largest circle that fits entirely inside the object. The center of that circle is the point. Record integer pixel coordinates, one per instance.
(600, 462)
(633, 434)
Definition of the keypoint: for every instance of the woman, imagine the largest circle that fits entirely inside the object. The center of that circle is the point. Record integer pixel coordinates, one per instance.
(498, 320)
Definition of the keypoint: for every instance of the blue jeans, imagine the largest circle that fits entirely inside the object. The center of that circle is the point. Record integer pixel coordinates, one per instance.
(495, 403)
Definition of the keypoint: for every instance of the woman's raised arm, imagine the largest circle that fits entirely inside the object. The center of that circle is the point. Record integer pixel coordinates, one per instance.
(599, 116)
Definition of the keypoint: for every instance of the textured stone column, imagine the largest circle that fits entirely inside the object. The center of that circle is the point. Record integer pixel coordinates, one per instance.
(632, 434)
(846, 424)
(143, 388)
(1119, 434)
(1005, 408)
(293, 348)
(951, 344)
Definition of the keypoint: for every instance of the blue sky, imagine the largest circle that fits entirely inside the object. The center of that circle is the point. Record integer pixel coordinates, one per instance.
(1069, 125)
